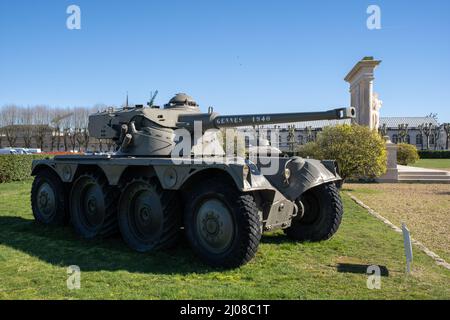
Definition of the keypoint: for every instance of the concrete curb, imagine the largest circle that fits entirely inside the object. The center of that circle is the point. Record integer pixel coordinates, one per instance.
(439, 261)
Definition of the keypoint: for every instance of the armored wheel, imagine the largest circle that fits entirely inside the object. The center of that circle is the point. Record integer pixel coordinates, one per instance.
(322, 214)
(49, 199)
(149, 217)
(222, 224)
(93, 207)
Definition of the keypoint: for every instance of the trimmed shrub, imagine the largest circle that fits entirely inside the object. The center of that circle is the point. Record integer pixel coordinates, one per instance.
(17, 167)
(407, 154)
(434, 154)
(308, 150)
(359, 151)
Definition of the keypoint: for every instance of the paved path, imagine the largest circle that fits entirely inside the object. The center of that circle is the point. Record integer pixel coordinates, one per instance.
(414, 174)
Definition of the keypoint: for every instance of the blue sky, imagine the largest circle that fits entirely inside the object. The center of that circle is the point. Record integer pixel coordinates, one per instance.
(238, 56)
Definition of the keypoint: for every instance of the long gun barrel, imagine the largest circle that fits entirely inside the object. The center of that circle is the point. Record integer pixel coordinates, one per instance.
(213, 120)
(274, 118)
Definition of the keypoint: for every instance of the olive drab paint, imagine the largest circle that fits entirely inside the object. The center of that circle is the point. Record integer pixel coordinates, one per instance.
(174, 149)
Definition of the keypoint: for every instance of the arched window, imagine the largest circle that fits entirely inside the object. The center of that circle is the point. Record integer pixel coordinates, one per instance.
(394, 138)
(300, 139)
(419, 139)
(431, 139)
(408, 139)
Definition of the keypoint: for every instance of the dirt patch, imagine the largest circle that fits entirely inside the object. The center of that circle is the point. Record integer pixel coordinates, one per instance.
(425, 208)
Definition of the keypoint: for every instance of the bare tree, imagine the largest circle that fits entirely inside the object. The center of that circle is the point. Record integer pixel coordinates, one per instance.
(426, 130)
(403, 133)
(41, 125)
(1, 127)
(446, 127)
(58, 116)
(436, 133)
(9, 116)
(81, 121)
(26, 116)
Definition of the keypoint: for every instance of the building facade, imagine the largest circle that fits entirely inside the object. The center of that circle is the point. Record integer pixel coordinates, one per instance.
(307, 131)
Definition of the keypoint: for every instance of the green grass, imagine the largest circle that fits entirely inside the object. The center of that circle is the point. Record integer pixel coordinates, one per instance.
(433, 163)
(34, 261)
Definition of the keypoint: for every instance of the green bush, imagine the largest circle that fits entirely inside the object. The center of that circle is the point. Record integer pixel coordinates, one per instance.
(308, 150)
(359, 151)
(407, 154)
(16, 167)
(434, 154)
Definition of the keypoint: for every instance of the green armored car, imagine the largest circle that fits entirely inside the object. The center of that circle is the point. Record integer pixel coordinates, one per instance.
(170, 175)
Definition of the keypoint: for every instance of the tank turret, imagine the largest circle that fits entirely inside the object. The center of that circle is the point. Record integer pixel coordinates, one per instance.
(151, 131)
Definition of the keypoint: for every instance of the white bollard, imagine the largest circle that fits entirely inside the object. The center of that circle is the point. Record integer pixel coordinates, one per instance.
(408, 247)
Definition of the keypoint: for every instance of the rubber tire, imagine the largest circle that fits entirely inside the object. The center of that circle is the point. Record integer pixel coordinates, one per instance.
(329, 217)
(246, 219)
(170, 229)
(109, 225)
(61, 216)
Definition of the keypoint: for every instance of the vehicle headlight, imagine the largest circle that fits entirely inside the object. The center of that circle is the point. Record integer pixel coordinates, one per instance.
(287, 173)
(245, 171)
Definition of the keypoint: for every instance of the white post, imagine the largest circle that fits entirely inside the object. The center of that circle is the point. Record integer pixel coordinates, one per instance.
(408, 247)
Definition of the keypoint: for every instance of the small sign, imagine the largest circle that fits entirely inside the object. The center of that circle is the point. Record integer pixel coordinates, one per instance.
(408, 247)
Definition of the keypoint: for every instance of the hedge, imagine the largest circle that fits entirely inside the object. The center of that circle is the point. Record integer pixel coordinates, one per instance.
(17, 167)
(407, 154)
(434, 154)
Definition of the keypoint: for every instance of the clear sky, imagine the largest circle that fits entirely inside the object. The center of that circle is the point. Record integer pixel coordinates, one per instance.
(238, 56)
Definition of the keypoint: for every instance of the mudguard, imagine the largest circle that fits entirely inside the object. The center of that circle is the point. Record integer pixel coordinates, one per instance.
(304, 174)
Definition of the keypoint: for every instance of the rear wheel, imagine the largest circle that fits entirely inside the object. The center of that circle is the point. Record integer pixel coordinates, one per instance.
(149, 217)
(49, 198)
(93, 207)
(222, 224)
(322, 214)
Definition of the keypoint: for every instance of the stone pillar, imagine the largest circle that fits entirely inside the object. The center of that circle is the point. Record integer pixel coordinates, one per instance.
(391, 174)
(363, 98)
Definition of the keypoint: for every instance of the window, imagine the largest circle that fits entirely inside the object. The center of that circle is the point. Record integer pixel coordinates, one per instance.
(300, 139)
(408, 139)
(419, 139)
(431, 139)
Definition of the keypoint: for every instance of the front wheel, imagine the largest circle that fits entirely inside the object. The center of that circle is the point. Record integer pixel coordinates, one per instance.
(49, 199)
(222, 224)
(322, 216)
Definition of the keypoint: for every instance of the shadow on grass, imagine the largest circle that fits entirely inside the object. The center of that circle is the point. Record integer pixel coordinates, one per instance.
(61, 247)
(276, 238)
(360, 269)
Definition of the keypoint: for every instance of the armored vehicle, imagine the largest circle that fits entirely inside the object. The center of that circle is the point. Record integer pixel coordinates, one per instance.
(151, 189)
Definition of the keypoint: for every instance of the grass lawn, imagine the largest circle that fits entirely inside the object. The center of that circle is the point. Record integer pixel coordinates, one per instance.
(33, 262)
(433, 164)
(425, 208)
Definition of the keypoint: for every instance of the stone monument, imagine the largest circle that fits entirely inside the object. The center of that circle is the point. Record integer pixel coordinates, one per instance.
(363, 99)
(368, 105)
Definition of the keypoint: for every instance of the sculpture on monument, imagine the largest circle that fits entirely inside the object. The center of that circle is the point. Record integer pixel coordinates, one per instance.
(376, 106)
